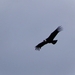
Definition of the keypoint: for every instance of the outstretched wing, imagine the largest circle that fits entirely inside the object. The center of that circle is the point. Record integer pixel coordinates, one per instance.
(54, 33)
(49, 39)
(38, 47)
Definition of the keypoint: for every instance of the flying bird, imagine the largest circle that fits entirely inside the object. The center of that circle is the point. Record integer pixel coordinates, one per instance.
(50, 39)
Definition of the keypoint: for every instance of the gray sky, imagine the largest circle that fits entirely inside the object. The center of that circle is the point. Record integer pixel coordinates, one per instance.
(25, 23)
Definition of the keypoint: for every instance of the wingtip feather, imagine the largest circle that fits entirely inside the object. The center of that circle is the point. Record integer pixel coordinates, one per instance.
(60, 28)
(37, 48)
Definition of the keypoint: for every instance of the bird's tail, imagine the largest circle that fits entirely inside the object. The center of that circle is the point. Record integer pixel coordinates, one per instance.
(54, 41)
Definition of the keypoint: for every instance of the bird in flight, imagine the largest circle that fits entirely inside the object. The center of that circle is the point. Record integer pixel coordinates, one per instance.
(50, 39)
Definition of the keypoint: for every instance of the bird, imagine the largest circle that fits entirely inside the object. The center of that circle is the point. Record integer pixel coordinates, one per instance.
(50, 39)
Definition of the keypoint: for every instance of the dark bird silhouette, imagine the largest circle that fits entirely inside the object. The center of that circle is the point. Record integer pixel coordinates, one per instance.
(50, 39)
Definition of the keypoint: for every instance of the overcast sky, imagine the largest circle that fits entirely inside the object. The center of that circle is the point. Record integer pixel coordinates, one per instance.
(24, 24)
